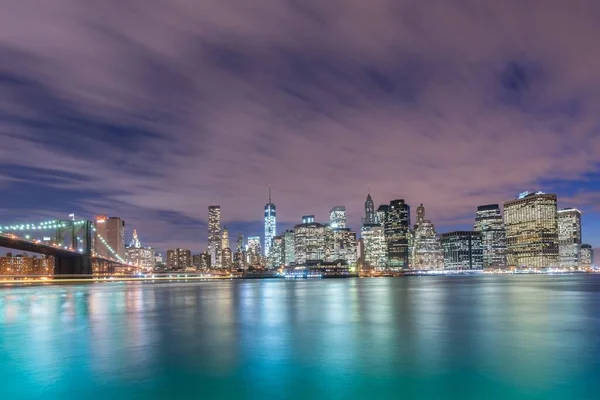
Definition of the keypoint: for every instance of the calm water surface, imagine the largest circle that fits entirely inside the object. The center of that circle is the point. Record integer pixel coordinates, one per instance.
(519, 337)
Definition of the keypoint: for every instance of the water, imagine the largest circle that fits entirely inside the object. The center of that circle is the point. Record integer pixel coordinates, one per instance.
(492, 337)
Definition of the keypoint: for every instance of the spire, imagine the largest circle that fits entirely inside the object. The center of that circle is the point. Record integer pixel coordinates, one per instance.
(269, 194)
(135, 242)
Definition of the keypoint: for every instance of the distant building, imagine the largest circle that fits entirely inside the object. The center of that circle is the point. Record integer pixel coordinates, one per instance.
(369, 211)
(381, 214)
(276, 253)
(569, 237)
(253, 252)
(337, 217)
(531, 231)
(270, 223)
(21, 264)
(488, 221)
(109, 237)
(427, 249)
(587, 256)
(288, 247)
(239, 258)
(214, 235)
(375, 245)
(397, 231)
(310, 242)
(178, 259)
(462, 250)
(308, 219)
(344, 246)
(142, 257)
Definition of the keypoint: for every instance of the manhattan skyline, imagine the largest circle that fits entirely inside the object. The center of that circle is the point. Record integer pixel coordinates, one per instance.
(119, 112)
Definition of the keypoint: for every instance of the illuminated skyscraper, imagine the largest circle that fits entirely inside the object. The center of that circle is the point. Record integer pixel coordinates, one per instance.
(531, 231)
(311, 242)
(462, 250)
(374, 245)
(239, 259)
(178, 259)
(426, 247)
(381, 214)
(337, 217)
(276, 253)
(270, 223)
(397, 231)
(112, 230)
(143, 257)
(369, 210)
(214, 235)
(569, 237)
(488, 221)
(344, 246)
(586, 259)
(225, 239)
(253, 250)
(288, 244)
(226, 258)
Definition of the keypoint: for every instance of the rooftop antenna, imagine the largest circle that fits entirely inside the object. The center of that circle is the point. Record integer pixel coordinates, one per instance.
(269, 194)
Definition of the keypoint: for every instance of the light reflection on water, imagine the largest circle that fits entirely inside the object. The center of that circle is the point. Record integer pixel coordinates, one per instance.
(419, 337)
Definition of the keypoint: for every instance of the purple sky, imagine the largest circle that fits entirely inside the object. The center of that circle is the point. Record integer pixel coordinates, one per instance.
(153, 110)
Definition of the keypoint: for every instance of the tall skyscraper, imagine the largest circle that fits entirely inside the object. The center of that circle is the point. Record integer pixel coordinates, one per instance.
(142, 257)
(344, 246)
(427, 249)
(369, 210)
(397, 231)
(253, 250)
(569, 237)
(109, 238)
(531, 231)
(270, 223)
(225, 239)
(374, 246)
(586, 259)
(288, 244)
(310, 242)
(276, 253)
(381, 214)
(462, 250)
(488, 221)
(337, 217)
(214, 235)
(239, 259)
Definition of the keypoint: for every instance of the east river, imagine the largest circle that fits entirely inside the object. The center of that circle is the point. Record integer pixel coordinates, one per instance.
(484, 337)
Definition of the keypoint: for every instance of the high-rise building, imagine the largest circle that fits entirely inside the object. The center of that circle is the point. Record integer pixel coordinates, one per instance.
(308, 219)
(397, 231)
(239, 259)
(226, 258)
(288, 248)
(344, 246)
(270, 223)
(488, 221)
(225, 239)
(531, 231)
(381, 214)
(142, 257)
(337, 217)
(214, 235)
(569, 237)
(109, 238)
(462, 250)
(586, 259)
(310, 242)
(253, 250)
(179, 259)
(205, 260)
(374, 245)
(276, 253)
(426, 247)
(369, 211)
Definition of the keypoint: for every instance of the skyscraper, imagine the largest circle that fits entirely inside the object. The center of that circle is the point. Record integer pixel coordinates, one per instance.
(488, 221)
(270, 223)
(374, 246)
(225, 239)
(178, 259)
(462, 250)
(381, 214)
(531, 231)
(310, 242)
(369, 210)
(397, 230)
(586, 259)
(288, 247)
(253, 250)
(337, 217)
(214, 235)
(427, 249)
(569, 237)
(344, 246)
(276, 253)
(139, 256)
(109, 238)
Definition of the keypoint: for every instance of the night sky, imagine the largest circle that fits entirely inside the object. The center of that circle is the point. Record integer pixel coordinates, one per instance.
(152, 110)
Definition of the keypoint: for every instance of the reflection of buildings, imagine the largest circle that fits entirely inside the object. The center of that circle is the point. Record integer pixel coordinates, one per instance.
(112, 229)
(337, 217)
(586, 256)
(374, 245)
(21, 264)
(427, 250)
(270, 223)
(178, 259)
(569, 237)
(136, 254)
(488, 221)
(214, 235)
(462, 250)
(397, 231)
(531, 230)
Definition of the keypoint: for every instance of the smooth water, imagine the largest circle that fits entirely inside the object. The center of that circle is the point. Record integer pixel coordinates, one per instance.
(492, 337)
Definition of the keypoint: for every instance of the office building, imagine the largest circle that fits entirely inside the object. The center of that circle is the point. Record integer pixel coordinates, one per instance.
(462, 250)
(179, 259)
(344, 246)
(397, 231)
(586, 259)
(226, 258)
(276, 253)
(488, 221)
(369, 211)
(310, 242)
(337, 217)
(427, 251)
(569, 237)
(109, 237)
(288, 248)
(21, 264)
(374, 245)
(270, 223)
(139, 256)
(531, 231)
(253, 251)
(214, 235)
(239, 258)
(381, 214)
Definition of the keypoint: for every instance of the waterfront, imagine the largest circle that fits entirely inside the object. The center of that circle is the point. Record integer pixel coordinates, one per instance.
(492, 337)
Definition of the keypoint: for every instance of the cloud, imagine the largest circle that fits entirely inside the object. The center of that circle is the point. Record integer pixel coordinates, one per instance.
(154, 110)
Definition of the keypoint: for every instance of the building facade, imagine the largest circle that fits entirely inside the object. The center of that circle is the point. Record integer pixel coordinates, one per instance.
(586, 256)
(288, 248)
(369, 211)
(179, 259)
(214, 235)
(531, 231)
(276, 253)
(374, 246)
(462, 250)
(488, 221)
(427, 251)
(308, 219)
(337, 217)
(311, 242)
(21, 264)
(344, 246)
(381, 214)
(109, 237)
(397, 231)
(270, 223)
(569, 237)
(142, 257)
(253, 254)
